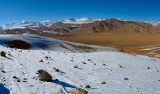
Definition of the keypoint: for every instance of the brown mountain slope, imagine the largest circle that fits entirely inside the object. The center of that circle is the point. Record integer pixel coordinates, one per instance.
(113, 25)
(63, 28)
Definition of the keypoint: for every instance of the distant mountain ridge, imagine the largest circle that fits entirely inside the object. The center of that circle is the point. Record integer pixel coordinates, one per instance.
(26, 24)
(114, 25)
(75, 25)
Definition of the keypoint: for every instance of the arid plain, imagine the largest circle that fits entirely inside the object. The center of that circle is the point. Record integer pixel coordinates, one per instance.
(134, 43)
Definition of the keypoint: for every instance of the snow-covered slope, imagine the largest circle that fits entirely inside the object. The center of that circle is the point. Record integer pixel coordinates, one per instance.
(142, 73)
(83, 20)
(26, 24)
(44, 43)
(18, 70)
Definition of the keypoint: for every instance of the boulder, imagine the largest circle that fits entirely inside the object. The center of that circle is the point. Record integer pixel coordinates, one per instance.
(3, 54)
(87, 86)
(103, 82)
(79, 91)
(44, 76)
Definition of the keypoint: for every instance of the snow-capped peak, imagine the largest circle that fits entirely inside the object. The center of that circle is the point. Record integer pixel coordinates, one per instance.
(26, 24)
(153, 23)
(83, 20)
(45, 23)
(144, 22)
(149, 22)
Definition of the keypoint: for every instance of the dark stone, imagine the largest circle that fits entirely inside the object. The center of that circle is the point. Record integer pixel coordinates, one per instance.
(18, 80)
(125, 78)
(87, 86)
(44, 76)
(19, 44)
(56, 70)
(3, 54)
(89, 59)
(75, 66)
(2, 71)
(14, 77)
(83, 62)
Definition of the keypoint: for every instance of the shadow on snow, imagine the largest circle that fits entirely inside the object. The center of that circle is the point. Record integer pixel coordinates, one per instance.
(63, 84)
(4, 90)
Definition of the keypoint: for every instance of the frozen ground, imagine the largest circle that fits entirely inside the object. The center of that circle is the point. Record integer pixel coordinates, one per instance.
(143, 73)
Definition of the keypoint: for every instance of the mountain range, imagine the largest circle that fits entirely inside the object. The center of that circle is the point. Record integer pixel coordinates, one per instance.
(25, 24)
(75, 25)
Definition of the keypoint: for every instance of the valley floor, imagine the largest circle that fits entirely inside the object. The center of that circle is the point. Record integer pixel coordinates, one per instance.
(143, 73)
(132, 43)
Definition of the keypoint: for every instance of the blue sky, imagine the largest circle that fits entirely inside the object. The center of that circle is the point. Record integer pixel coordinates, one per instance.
(14, 11)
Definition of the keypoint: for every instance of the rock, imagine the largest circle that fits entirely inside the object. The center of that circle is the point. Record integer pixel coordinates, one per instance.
(56, 70)
(14, 77)
(87, 86)
(125, 78)
(3, 54)
(18, 80)
(103, 82)
(44, 76)
(83, 63)
(56, 79)
(41, 60)
(46, 57)
(89, 59)
(24, 81)
(120, 66)
(9, 54)
(75, 66)
(2, 71)
(79, 91)
(71, 60)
